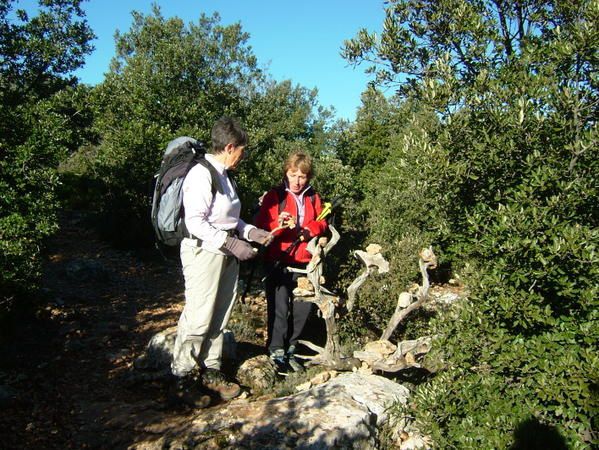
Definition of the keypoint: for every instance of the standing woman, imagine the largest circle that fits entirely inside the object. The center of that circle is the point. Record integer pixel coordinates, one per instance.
(210, 258)
(291, 209)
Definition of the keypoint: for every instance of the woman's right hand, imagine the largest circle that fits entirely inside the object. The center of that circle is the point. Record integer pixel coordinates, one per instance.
(284, 217)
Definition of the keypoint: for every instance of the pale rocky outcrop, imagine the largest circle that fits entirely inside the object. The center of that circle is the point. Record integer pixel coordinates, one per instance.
(159, 352)
(341, 413)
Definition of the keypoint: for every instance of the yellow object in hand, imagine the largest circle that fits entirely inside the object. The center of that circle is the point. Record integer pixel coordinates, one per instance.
(325, 211)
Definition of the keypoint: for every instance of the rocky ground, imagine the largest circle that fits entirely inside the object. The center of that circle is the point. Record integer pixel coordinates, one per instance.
(65, 375)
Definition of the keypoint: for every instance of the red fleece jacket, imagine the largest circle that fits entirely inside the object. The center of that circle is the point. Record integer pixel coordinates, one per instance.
(267, 219)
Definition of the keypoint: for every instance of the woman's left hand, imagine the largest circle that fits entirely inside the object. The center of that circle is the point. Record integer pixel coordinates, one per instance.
(260, 236)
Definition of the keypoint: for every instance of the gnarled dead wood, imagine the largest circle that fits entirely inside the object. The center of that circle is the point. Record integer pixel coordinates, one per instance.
(379, 355)
(373, 260)
(385, 356)
(427, 260)
(330, 355)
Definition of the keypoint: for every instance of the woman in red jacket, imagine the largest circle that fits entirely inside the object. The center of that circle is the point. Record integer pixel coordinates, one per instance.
(291, 210)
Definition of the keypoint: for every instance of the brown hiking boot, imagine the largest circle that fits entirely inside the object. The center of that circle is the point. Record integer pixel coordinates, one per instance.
(188, 391)
(215, 381)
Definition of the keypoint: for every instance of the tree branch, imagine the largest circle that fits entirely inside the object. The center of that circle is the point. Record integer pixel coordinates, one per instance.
(507, 42)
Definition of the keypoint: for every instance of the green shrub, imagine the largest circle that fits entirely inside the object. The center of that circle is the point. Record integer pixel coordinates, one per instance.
(407, 202)
(28, 199)
(517, 132)
(525, 344)
(39, 125)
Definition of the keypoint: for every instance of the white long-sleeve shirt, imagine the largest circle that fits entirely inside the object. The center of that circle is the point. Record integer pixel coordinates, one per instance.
(209, 217)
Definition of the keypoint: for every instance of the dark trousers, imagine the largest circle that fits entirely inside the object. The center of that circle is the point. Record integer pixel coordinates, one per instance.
(286, 318)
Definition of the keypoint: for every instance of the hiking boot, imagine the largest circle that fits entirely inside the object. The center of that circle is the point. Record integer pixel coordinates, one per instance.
(292, 362)
(187, 391)
(280, 361)
(215, 381)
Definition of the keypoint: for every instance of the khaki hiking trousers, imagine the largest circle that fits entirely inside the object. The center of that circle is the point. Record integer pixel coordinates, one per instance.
(210, 293)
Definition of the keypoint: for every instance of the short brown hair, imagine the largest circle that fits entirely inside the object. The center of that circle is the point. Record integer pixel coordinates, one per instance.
(299, 160)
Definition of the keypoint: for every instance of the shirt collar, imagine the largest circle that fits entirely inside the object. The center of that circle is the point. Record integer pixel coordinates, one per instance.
(220, 167)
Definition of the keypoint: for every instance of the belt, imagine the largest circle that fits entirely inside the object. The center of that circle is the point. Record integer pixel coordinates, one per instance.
(231, 233)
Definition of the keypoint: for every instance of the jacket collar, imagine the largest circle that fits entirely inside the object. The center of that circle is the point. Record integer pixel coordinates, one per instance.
(301, 194)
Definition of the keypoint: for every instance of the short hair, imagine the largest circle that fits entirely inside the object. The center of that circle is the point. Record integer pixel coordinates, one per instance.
(299, 160)
(227, 130)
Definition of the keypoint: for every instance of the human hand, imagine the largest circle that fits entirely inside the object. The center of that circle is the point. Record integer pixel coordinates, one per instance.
(260, 236)
(304, 234)
(284, 217)
(240, 249)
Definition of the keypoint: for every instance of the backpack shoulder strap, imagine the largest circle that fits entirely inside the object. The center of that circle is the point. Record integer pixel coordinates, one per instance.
(232, 180)
(282, 195)
(312, 195)
(216, 184)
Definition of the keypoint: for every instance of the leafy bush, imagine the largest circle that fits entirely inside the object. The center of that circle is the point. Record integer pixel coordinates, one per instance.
(28, 184)
(38, 127)
(168, 80)
(406, 202)
(517, 122)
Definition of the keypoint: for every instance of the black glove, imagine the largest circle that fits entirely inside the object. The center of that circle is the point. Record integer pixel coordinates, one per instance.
(240, 249)
(305, 235)
(260, 236)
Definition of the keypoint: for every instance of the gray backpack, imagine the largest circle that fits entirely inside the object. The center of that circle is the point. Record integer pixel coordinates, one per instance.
(167, 216)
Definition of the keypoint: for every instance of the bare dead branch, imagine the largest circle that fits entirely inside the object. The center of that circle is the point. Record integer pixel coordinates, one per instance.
(427, 260)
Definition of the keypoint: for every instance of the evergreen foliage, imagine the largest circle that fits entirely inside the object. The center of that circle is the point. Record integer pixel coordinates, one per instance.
(170, 79)
(505, 180)
(488, 151)
(37, 111)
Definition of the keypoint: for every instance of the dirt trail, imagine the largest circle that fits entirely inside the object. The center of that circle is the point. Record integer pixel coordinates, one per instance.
(65, 376)
(68, 367)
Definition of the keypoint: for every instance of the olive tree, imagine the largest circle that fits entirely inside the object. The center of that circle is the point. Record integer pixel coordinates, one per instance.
(513, 88)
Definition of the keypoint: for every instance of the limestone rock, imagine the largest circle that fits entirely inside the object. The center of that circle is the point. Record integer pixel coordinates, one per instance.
(322, 377)
(373, 249)
(304, 386)
(414, 443)
(159, 352)
(428, 256)
(383, 347)
(258, 373)
(304, 288)
(404, 300)
(417, 347)
(304, 283)
(375, 351)
(341, 413)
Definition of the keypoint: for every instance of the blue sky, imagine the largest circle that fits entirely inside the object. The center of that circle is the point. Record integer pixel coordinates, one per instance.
(298, 40)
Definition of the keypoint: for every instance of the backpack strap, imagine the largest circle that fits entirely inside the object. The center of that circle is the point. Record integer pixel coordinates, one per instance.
(232, 180)
(216, 184)
(282, 195)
